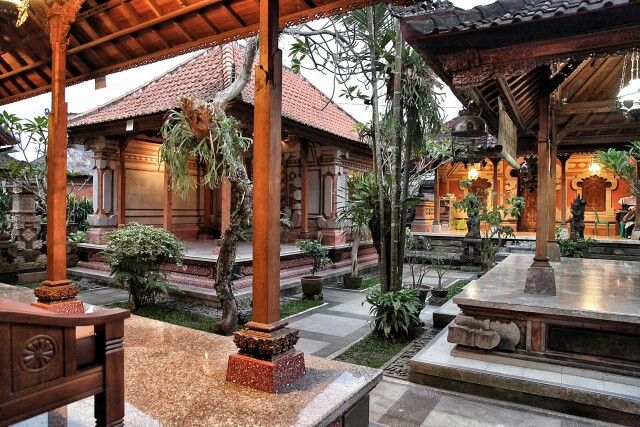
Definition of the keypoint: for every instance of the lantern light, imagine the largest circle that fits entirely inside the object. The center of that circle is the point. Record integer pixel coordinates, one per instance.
(628, 99)
(473, 173)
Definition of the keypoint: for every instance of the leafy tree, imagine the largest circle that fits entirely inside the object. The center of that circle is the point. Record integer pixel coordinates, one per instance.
(365, 53)
(623, 164)
(202, 130)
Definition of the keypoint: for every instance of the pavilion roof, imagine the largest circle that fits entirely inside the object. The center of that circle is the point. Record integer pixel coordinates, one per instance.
(517, 51)
(112, 35)
(209, 72)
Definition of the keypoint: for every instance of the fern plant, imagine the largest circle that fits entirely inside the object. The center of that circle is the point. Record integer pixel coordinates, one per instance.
(396, 313)
(136, 254)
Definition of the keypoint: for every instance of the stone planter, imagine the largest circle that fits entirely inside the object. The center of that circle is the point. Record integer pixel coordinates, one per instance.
(423, 292)
(439, 293)
(351, 282)
(311, 286)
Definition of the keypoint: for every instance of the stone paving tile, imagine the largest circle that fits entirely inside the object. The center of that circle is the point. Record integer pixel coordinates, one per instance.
(310, 346)
(328, 324)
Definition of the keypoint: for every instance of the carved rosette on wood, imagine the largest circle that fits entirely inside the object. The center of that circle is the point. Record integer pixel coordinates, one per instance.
(486, 334)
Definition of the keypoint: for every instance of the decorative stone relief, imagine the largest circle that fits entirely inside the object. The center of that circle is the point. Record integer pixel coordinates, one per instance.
(25, 224)
(485, 334)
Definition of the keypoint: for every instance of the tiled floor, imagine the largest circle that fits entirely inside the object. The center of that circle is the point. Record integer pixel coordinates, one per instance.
(399, 403)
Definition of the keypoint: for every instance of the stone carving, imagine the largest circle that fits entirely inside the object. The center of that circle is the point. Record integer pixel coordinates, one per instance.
(38, 353)
(486, 334)
(577, 218)
(25, 224)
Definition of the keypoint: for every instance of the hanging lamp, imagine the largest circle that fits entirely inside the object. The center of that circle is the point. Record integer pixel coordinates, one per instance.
(628, 99)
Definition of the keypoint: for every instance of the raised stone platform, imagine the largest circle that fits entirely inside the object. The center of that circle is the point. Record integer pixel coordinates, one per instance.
(582, 392)
(593, 321)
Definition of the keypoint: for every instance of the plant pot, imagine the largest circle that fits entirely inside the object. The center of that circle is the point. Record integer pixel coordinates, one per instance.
(422, 294)
(311, 286)
(351, 282)
(439, 293)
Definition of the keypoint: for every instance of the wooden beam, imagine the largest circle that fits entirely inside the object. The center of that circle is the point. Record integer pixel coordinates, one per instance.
(304, 184)
(587, 107)
(505, 90)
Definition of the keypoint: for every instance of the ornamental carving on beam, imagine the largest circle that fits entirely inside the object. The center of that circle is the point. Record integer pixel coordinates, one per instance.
(479, 75)
(61, 15)
(458, 61)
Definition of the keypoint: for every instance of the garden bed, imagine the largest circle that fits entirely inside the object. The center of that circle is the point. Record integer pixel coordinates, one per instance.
(372, 351)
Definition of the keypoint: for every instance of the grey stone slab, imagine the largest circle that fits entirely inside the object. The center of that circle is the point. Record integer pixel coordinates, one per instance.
(328, 324)
(355, 306)
(310, 346)
(451, 411)
(412, 408)
(602, 289)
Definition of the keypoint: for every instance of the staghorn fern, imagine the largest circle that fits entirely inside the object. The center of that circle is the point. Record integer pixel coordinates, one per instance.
(203, 131)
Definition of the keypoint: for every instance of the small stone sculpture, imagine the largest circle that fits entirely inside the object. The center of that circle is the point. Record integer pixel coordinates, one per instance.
(577, 218)
(485, 334)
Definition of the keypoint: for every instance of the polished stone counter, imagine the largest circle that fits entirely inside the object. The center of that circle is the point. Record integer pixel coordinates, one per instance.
(597, 289)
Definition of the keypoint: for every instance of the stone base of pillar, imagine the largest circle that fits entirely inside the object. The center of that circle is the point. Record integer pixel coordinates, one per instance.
(267, 359)
(98, 235)
(541, 279)
(635, 235)
(553, 251)
(436, 228)
(58, 297)
(420, 226)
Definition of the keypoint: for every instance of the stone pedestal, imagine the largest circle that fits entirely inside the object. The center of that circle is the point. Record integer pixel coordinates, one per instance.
(424, 217)
(267, 359)
(540, 279)
(24, 223)
(104, 218)
(59, 297)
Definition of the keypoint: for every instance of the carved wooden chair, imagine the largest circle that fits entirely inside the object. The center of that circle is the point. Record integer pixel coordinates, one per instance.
(49, 360)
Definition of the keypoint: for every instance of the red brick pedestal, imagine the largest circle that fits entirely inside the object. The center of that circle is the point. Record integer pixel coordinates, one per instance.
(267, 359)
(58, 297)
(267, 375)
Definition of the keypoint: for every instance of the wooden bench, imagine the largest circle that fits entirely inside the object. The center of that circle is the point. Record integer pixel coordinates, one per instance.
(49, 360)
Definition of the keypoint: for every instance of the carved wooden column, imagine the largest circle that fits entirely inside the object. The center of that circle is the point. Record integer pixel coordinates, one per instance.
(208, 199)
(635, 234)
(563, 189)
(58, 293)
(540, 275)
(267, 359)
(494, 185)
(553, 249)
(304, 187)
(167, 214)
(437, 226)
(122, 183)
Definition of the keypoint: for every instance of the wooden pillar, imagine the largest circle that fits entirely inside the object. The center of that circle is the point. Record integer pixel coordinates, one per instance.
(225, 205)
(168, 201)
(494, 185)
(266, 338)
(437, 226)
(122, 183)
(540, 275)
(563, 188)
(553, 249)
(57, 293)
(304, 184)
(206, 220)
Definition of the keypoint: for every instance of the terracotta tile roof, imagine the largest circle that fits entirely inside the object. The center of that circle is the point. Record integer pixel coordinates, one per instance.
(204, 75)
(503, 12)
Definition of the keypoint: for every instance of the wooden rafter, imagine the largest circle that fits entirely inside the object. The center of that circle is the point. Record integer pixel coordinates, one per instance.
(511, 103)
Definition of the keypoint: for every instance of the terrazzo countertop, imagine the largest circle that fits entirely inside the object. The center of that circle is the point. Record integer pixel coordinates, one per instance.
(592, 288)
(178, 376)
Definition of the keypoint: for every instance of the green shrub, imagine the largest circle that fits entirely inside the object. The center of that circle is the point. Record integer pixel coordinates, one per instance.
(5, 208)
(396, 314)
(135, 254)
(78, 237)
(317, 252)
(78, 209)
(575, 248)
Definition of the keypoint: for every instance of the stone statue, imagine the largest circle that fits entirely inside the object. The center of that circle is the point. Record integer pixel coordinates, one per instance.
(487, 334)
(577, 218)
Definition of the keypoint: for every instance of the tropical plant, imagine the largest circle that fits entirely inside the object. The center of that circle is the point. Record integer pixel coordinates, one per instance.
(78, 209)
(202, 130)
(396, 314)
(317, 252)
(495, 231)
(357, 211)
(136, 254)
(575, 248)
(78, 237)
(5, 209)
(623, 164)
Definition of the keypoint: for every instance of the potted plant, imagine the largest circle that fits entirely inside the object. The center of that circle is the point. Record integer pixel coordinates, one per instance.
(312, 285)
(439, 264)
(355, 215)
(418, 267)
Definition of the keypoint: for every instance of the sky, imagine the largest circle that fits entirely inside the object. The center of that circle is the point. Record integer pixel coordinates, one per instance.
(83, 96)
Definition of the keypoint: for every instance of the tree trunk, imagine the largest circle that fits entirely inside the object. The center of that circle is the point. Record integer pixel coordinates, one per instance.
(377, 154)
(378, 236)
(241, 203)
(412, 135)
(355, 245)
(396, 137)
